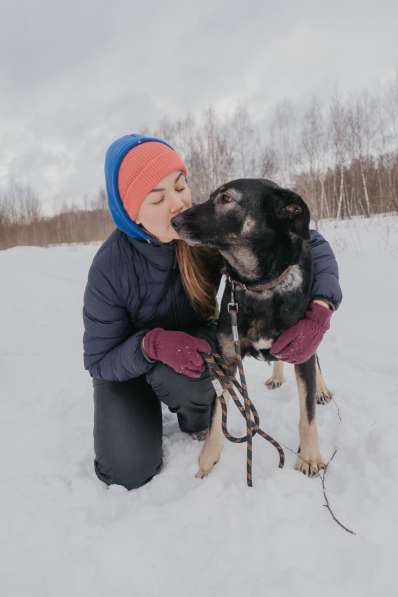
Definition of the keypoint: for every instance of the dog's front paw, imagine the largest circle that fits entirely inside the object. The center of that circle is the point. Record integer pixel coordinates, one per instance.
(277, 378)
(204, 471)
(274, 382)
(309, 467)
(209, 456)
(205, 467)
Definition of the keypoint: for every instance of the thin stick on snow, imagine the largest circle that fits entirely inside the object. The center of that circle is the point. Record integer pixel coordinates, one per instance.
(327, 505)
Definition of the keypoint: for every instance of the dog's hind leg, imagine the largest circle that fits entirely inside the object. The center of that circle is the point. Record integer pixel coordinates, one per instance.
(309, 461)
(213, 445)
(323, 394)
(276, 379)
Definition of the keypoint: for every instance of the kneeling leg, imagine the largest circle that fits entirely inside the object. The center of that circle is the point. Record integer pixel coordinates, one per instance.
(127, 432)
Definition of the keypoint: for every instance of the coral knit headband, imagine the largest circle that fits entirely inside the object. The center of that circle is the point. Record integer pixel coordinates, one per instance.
(142, 168)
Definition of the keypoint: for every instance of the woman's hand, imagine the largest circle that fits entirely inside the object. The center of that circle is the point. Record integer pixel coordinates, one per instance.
(299, 342)
(178, 350)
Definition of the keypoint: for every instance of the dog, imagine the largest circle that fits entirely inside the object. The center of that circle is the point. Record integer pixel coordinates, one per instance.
(262, 232)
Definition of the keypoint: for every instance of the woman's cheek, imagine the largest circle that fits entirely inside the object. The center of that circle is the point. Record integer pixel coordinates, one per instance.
(166, 217)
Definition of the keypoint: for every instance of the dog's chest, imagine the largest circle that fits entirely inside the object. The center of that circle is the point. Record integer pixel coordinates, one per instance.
(263, 315)
(262, 344)
(259, 325)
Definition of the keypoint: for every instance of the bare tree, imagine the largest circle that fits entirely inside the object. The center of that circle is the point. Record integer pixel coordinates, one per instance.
(339, 144)
(100, 201)
(244, 143)
(283, 133)
(314, 147)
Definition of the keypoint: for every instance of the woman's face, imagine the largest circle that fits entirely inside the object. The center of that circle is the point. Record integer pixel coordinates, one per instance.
(170, 197)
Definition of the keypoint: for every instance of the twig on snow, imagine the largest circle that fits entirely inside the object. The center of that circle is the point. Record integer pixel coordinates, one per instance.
(327, 505)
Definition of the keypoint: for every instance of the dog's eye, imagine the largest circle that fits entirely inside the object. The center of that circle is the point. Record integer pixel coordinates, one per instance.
(226, 198)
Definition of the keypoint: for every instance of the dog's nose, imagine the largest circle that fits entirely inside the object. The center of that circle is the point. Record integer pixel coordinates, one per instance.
(176, 221)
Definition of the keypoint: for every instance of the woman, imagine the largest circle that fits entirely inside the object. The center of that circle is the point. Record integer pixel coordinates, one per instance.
(149, 314)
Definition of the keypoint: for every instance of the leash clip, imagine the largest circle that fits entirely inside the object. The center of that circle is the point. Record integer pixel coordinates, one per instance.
(235, 333)
(232, 305)
(217, 386)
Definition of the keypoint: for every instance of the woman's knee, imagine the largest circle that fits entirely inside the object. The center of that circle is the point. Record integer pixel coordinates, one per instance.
(191, 399)
(131, 476)
(175, 389)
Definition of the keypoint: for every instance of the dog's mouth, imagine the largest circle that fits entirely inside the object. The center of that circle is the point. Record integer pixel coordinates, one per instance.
(184, 230)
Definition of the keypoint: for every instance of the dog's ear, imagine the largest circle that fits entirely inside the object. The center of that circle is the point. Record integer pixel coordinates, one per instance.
(291, 209)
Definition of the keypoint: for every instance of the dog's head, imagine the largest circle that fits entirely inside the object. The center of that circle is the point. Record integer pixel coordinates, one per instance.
(242, 212)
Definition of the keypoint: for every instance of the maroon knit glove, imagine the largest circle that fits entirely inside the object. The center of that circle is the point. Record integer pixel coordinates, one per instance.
(178, 350)
(299, 342)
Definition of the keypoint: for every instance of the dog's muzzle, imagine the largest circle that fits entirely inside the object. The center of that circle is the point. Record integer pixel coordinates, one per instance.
(177, 222)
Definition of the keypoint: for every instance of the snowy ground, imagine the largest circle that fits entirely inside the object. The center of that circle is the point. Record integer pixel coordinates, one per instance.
(64, 533)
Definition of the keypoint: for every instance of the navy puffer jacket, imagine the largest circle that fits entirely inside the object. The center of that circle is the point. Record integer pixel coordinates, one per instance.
(134, 286)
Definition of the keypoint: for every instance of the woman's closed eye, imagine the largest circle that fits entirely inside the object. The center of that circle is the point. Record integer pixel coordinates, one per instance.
(162, 198)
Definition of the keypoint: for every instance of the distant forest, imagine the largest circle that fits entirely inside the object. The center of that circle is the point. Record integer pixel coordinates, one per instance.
(341, 157)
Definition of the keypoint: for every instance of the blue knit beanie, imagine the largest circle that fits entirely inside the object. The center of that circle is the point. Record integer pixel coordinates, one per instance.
(114, 156)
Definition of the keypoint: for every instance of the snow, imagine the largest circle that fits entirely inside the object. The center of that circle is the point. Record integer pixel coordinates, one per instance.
(66, 533)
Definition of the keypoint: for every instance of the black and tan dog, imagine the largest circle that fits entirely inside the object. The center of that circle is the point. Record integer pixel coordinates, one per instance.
(262, 231)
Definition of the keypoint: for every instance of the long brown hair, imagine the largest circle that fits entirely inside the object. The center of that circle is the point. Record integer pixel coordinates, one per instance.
(199, 269)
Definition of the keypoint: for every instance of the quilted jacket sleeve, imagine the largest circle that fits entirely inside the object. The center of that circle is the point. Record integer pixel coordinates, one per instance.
(112, 351)
(325, 284)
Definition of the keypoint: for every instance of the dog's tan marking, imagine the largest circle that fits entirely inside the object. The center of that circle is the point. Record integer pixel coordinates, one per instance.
(227, 346)
(262, 343)
(248, 225)
(293, 280)
(214, 442)
(243, 260)
(309, 461)
(276, 379)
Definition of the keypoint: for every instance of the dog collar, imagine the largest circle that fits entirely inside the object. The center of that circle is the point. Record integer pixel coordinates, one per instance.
(261, 287)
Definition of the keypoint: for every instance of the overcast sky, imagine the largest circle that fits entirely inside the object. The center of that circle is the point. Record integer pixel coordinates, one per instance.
(77, 74)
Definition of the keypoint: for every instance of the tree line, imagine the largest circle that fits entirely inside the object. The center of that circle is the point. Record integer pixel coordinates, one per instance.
(341, 156)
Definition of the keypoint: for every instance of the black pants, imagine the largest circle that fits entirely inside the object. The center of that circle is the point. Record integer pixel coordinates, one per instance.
(128, 421)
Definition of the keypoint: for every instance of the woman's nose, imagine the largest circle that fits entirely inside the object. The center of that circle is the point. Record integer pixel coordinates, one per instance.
(177, 204)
